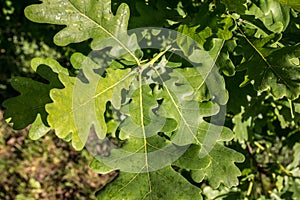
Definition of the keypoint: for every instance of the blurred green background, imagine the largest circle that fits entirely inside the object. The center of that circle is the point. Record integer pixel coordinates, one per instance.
(48, 168)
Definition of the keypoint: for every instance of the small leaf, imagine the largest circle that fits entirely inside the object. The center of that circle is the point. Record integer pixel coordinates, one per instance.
(55, 66)
(208, 25)
(235, 6)
(38, 129)
(223, 61)
(34, 95)
(241, 127)
(221, 168)
(276, 17)
(207, 85)
(212, 159)
(296, 161)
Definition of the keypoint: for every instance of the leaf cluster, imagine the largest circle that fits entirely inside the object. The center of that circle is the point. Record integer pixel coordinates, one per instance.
(169, 101)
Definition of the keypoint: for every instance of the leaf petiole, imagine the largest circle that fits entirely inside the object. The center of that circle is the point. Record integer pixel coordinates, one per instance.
(153, 60)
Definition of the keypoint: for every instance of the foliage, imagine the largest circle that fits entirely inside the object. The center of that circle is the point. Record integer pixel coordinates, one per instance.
(21, 41)
(169, 101)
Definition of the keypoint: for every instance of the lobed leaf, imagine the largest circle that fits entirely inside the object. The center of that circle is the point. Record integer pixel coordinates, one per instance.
(221, 168)
(160, 184)
(235, 6)
(38, 129)
(212, 160)
(207, 28)
(241, 127)
(275, 16)
(271, 68)
(82, 103)
(142, 177)
(34, 95)
(83, 19)
(142, 120)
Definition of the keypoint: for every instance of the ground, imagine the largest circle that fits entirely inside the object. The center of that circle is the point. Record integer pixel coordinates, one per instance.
(48, 168)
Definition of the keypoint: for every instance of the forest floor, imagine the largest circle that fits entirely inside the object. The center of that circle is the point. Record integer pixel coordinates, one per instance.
(48, 168)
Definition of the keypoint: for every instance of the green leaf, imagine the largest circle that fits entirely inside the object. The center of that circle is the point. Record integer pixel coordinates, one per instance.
(291, 3)
(271, 68)
(143, 155)
(141, 119)
(34, 95)
(206, 80)
(296, 155)
(219, 49)
(223, 61)
(38, 129)
(221, 168)
(62, 111)
(221, 158)
(83, 19)
(235, 6)
(211, 26)
(24, 114)
(190, 159)
(55, 66)
(215, 162)
(161, 184)
(198, 81)
(146, 157)
(189, 95)
(209, 134)
(276, 17)
(186, 113)
(241, 127)
(82, 103)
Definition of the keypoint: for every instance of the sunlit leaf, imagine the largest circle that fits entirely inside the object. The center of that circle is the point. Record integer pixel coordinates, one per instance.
(82, 104)
(84, 19)
(38, 129)
(274, 15)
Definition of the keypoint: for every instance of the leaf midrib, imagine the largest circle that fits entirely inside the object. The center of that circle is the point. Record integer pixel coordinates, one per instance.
(211, 68)
(176, 106)
(144, 133)
(106, 31)
(269, 66)
(104, 91)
